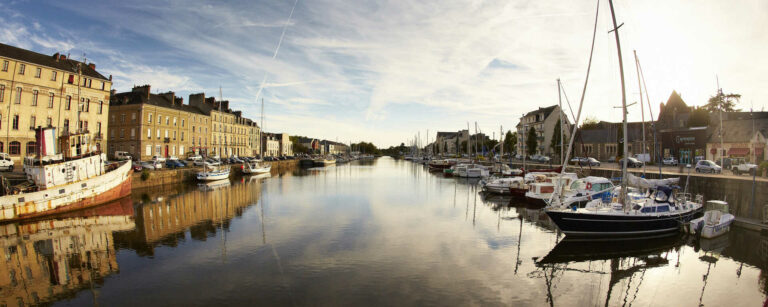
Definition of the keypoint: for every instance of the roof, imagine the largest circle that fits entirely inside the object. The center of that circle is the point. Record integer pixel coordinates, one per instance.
(160, 100)
(607, 132)
(738, 131)
(548, 110)
(52, 61)
(446, 135)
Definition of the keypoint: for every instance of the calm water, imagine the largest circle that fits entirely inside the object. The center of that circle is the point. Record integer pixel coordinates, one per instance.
(380, 233)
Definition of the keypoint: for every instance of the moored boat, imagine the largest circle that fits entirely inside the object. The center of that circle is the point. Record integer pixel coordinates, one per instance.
(715, 222)
(214, 174)
(77, 179)
(256, 167)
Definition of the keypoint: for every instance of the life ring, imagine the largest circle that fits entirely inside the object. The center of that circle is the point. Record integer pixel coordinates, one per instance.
(589, 186)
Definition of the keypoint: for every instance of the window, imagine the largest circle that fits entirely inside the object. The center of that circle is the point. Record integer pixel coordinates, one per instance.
(157, 149)
(166, 133)
(174, 121)
(2, 93)
(22, 67)
(32, 120)
(49, 122)
(18, 95)
(182, 123)
(102, 85)
(133, 117)
(98, 127)
(167, 120)
(66, 125)
(149, 134)
(5, 65)
(34, 97)
(38, 72)
(112, 133)
(14, 148)
(50, 100)
(71, 79)
(15, 123)
(68, 104)
(182, 135)
(148, 151)
(159, 119)
(158, 134)
(89, 82)
(149, 119)
(31, 148)
(1, 147)
(122, 133)
(87, 105)
(133, 133)
(122, 118)
(174, 135)
(101, 106)
(53, 75)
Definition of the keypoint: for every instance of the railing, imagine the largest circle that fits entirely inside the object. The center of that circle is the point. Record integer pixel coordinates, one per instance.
(166, 140)
(98, 136)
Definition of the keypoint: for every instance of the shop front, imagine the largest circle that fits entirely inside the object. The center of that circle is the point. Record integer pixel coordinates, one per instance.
(687, 145)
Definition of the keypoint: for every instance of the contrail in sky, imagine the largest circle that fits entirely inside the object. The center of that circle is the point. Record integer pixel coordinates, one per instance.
(279, 42)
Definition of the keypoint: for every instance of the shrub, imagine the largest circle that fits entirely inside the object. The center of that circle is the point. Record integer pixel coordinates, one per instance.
(144, 175)
(763, 166)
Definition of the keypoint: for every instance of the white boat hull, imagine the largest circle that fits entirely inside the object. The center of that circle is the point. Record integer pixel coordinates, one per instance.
(213, 176)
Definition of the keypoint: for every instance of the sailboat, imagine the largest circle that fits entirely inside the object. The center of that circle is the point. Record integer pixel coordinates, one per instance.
(661, 210)
(258, 166)
(210, 172)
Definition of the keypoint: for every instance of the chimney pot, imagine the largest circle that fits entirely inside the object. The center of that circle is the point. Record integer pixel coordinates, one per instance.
(56, 56)
(92, 66)
(62, 57)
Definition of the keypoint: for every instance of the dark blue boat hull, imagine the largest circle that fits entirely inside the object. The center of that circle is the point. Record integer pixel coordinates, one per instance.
(586, 224)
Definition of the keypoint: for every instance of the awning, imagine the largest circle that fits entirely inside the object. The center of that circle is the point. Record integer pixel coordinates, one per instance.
(738, 151)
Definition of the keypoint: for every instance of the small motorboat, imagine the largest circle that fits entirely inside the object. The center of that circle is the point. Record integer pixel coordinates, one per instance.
(502, 186)
(255, 168)
(539, 193)
(214, 174)
(715, 222)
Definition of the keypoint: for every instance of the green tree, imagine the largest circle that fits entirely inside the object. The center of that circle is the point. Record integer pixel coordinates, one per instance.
(531, 142)
(699, 117)
(723, 102)
(589, 123)
(510, 141)
(463, 147)
(556, 136)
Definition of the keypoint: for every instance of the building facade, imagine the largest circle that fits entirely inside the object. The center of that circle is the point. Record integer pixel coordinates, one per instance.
(146, 125)
(543, 121)
(450, 142)
(271, 144)
(38, 90)
(231, 133)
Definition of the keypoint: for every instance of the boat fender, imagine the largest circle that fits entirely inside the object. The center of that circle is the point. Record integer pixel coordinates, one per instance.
(589, 186)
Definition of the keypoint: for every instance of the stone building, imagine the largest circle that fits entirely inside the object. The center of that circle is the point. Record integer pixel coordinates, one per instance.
(286, 146)
(271, 144)
(602, 141)
(742, 137)
(38, 90)
(543, 121)
(450, 142)
(146, 124)
(231, 133)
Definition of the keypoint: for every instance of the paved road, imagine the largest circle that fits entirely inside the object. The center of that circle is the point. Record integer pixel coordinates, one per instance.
(666, 170)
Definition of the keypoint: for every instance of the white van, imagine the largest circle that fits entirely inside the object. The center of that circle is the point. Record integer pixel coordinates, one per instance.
(122, 155)
(5, 162)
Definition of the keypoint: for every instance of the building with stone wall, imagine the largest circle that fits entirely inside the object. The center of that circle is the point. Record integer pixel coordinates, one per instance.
(38, 90)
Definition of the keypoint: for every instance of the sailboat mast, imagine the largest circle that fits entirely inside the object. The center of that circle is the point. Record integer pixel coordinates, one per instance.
(642, 109)
(623, 108)
(261, 147)
(560, 102)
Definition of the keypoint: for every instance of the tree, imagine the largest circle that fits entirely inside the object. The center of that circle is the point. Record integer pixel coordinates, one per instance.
(445, 147)
(556, 136)
(723, 102)
(531, 142)
(296, 146)
(699, 117)
(510, 141)
(463, 146)
(589, 123)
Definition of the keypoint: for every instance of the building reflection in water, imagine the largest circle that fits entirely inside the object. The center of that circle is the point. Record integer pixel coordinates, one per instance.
(47, 260)
(164, 215)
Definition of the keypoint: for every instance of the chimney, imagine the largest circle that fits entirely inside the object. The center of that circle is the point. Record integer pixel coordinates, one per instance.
(56, 56)
(110, 77)
(225, 105)
(144, 89)
(197, 100)
(169, 96)
(62, 57)
(92, 66)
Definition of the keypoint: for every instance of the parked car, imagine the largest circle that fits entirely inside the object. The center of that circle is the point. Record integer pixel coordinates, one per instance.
(707, 166)
(212, 162)
(194, 158)
(631, 162)
(137, 167)
(200, 162)
(237, 160)
(740, 166)
(151, 165)
(589, 162)
(157, 158)
(5, 162)
(173, 164)
(669, 161)
(122, 156)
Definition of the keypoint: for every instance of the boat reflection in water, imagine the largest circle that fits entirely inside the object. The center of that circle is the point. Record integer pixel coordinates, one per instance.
(46, 260)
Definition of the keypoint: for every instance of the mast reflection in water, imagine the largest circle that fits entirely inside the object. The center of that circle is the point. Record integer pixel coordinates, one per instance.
(383, 232)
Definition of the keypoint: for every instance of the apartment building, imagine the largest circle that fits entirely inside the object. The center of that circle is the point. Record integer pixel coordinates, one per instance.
(39, 90)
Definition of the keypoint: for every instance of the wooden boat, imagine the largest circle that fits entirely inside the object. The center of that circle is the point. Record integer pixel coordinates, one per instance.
(77, 179)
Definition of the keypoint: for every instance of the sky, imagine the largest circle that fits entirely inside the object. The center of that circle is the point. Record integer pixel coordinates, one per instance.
(385, 71)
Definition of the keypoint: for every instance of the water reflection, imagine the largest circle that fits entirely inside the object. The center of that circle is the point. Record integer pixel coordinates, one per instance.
(381, 232)
(53, 259)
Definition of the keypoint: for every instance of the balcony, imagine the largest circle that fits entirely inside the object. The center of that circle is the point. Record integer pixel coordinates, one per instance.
(98, 136)
(166, 140)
